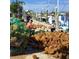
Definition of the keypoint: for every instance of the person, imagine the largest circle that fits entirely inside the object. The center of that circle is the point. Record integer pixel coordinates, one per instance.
(28, 17)
(29, 26)
(50, 19)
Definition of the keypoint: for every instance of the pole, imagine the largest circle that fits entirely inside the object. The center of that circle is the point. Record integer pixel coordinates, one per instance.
(41, 15)
(47, 16)
(58, 5)
(36, 15)
(57, 16)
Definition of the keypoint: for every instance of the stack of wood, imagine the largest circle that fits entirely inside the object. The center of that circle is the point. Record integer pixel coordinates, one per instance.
(42, 26)
(39, 27)
(55, 43)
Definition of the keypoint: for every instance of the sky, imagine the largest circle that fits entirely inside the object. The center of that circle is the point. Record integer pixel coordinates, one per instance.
(43, 5)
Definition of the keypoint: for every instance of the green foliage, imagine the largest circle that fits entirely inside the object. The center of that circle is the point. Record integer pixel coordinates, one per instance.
(14, 6)
(19, 31)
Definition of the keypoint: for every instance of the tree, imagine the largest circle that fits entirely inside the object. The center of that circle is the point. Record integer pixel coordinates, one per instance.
(16, 7)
